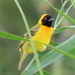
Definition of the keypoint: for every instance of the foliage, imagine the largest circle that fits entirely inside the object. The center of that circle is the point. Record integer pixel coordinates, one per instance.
(56, 51)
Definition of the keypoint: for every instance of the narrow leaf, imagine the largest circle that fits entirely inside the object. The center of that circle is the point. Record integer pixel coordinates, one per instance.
(54, 44)
(72, 52)
(73, 3)
(52, 55)
(67, 17)
(11, 36)
(57, 18)
(44, 72)
(30, 37)
(61, 19)
(58, 30)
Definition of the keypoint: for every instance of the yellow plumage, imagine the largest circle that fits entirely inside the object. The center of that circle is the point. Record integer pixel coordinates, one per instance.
(42, 33)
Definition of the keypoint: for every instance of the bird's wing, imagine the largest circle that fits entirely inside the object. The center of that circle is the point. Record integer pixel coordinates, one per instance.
(33, 30)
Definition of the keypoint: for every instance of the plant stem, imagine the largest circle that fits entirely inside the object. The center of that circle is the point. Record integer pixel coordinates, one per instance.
(30, 63)
(62, 16)
(55, 24)
(32, 43)
(67, 54)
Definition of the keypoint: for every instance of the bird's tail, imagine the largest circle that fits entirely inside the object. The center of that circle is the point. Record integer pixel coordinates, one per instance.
(22, 57)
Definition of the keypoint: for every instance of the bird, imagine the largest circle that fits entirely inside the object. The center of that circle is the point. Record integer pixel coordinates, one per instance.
(41, 32)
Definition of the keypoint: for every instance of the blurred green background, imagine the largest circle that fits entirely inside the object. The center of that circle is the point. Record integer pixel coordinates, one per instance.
(11, 22)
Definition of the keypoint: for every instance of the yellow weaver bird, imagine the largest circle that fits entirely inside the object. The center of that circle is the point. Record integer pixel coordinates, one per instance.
(41, 32)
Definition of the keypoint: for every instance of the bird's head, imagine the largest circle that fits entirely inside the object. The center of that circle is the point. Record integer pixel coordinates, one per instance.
(46, 20)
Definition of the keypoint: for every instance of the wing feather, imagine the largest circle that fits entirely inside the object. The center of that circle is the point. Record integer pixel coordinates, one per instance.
(33, 30)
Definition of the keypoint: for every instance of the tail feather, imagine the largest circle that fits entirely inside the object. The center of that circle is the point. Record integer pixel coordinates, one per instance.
(22, 57)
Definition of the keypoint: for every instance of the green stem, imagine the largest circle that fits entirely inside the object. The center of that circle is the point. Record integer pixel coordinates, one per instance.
(32, 43)
(30, 63)
(67, 17)
(73, 3)
(55, 24)
(67, 54)
(62, 16)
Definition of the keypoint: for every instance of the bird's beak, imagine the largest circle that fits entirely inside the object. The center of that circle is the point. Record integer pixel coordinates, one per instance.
(51, 19)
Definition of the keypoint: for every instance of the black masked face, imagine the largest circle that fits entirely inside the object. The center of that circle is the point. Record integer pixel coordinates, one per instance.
(47, 20)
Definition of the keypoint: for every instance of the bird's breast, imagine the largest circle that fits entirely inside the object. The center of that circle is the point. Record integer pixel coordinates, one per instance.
(43, 35)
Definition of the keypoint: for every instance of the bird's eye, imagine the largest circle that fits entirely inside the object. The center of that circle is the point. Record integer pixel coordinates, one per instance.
(47, 18)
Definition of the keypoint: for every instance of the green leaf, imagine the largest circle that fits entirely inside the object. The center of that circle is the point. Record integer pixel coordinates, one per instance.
(61, 19)
(73, 3)
(11, 36)
(58, 30)
(60, 51)
(57, 18)
(72, 52)
(54, 44)
(52, 55)
(67, 17)
(44, 72)
(30, 37)
(43, 53)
